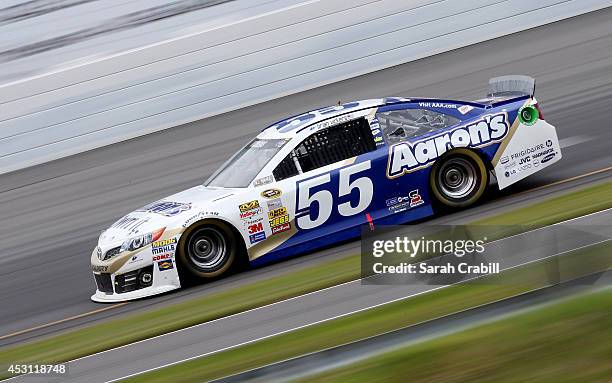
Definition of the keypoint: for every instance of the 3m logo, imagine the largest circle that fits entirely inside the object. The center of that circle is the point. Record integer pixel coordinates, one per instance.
(249, 206)
(255, 228)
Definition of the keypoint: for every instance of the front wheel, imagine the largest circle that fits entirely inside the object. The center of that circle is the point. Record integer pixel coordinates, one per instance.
(459, 179)
(208, 250)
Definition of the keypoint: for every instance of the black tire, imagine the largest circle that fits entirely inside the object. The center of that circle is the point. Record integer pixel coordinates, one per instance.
(207, 250)
(459, 179)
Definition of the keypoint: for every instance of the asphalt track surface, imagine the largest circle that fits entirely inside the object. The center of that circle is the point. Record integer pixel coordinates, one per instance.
(312, 364)
(320, 306)
(53, 213)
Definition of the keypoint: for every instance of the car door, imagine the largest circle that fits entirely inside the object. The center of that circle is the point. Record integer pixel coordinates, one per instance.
(332, 175)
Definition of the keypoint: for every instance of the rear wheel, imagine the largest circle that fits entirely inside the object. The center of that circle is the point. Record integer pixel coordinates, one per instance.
(459, 179)
(208, 250)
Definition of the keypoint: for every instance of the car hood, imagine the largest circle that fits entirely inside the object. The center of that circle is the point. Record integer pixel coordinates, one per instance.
(164, 212)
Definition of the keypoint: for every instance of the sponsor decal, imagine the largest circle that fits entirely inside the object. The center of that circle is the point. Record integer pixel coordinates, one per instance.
(255, 228)
(543, 153)
(510, 165)
(504, 159)
(257, 237)
(406, 157)
(281, 228)
(130, 223)
(274, 204)
(549, 143)
(403, 203)
(440, 105)
(166, 208)
(263, 181)
(280, 220)
(332, 122)
(251, 213)
(376, 132)
(415, 198)
(165, 265)
(251, 205)
(99, 269)
(249, 222)
(164, 246)
(162, 257)
(278, 217)
(524, 160)
(547, 158)
(134, 259)
(465, 109)
(277, 212)
(195, 217)
(523, 153)
(271, 193)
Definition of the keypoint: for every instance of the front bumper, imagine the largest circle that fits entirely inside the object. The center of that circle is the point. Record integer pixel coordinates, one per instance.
(137, 294)
(136, 274)
(134, 284)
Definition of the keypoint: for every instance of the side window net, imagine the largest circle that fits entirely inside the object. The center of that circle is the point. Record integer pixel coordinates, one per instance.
(327, 146)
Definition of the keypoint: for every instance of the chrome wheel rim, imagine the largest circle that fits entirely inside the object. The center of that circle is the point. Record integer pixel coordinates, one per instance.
(457, 178)
(207, 249)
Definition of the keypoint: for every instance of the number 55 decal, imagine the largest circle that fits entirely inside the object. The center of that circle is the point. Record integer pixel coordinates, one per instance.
(325, 200)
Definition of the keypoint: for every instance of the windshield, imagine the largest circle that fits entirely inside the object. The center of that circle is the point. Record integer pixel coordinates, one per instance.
(242, 168)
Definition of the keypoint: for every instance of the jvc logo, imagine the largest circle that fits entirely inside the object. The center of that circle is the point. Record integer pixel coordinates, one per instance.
(524, 160)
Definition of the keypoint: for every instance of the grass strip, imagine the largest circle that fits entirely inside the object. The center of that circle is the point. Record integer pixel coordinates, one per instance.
(561, 342)
(386, 318)
(557, 209)
(117, 332)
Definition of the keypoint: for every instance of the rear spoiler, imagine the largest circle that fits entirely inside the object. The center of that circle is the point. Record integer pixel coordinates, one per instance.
(511, 86)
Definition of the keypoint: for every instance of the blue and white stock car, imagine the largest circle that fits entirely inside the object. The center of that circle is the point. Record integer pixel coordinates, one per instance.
(314, 179)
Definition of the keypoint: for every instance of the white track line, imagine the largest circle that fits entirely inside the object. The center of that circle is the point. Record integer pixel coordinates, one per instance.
(575, 140)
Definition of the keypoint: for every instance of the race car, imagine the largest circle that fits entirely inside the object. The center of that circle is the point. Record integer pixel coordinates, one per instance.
(314, 179)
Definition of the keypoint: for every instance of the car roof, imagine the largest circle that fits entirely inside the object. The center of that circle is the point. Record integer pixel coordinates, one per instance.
(295, 125)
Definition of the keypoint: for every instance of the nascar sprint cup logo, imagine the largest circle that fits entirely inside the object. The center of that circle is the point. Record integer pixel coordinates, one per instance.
(407, 157)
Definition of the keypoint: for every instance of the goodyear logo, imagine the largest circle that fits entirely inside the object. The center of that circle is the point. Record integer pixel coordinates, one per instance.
(277, 212)
(271, 193)
(248, 206)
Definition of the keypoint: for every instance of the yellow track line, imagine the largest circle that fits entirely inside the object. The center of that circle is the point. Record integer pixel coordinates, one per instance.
(564, 181)
(125, 303)
(62, 320)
